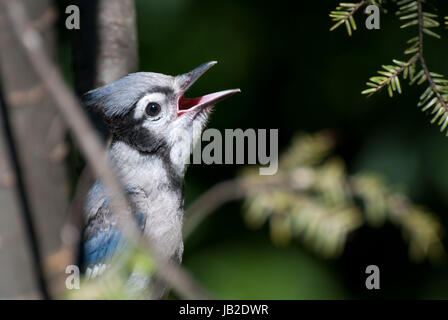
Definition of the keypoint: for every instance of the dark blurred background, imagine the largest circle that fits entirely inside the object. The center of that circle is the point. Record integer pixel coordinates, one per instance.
(297, 76)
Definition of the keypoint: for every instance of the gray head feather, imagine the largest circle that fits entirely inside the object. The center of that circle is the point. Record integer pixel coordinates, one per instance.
(119, 97)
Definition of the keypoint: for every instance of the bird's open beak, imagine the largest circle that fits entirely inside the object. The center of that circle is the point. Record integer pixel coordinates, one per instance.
(186, 80)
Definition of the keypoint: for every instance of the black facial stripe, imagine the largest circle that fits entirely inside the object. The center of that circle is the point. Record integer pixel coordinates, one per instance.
(130, 131)
(176, 181)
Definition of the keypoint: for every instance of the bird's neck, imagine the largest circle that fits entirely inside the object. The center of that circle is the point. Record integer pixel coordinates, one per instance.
(150, 172)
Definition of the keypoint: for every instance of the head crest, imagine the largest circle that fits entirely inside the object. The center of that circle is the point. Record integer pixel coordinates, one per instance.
(119, 97)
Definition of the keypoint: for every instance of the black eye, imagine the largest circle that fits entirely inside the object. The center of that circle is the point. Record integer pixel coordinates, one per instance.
(153, 109)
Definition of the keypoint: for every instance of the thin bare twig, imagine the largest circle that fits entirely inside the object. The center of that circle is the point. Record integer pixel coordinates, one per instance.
(91, 146)
(211, 200)
(240, 188)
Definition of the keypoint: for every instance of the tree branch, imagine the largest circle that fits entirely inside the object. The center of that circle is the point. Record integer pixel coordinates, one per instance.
(39, 137)
(428, 75)
(117, 46)
(27, 214)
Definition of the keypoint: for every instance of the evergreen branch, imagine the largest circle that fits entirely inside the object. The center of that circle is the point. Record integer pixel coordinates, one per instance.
(389, 76)
(435, 97)
(313, 198)
(343, 14)
(438, 86)
(326, 203)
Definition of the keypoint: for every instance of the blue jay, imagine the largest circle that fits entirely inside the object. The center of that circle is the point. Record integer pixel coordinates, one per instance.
(149, 118)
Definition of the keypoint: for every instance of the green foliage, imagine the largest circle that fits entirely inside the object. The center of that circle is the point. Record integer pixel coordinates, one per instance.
(114, 283)
(434, 99)
(412, 13)
(389, 77)
(344, 14)
(313, 198)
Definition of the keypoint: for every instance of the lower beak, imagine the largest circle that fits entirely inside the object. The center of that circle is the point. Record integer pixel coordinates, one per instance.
(185, 81)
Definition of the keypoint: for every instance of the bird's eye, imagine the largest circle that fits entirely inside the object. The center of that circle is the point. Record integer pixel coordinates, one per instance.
(153, 109)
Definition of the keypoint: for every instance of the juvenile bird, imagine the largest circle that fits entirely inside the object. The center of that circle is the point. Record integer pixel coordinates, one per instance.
(149, 119)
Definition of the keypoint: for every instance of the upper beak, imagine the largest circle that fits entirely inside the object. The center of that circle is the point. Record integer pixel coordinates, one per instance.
(186, 80)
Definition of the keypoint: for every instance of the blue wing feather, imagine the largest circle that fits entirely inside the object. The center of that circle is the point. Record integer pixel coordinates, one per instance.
(102, 239)
(102, 246)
